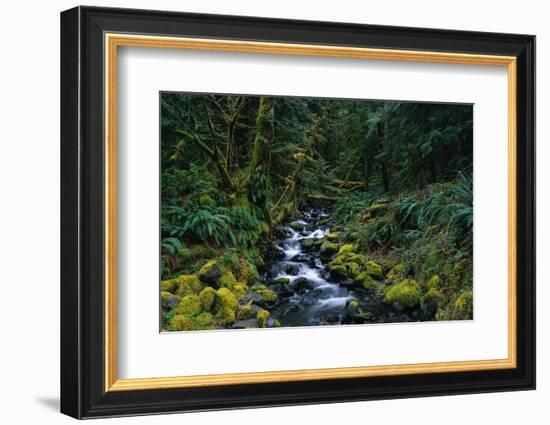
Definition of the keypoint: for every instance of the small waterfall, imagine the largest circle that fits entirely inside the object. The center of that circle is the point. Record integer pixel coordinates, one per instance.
(314, 300)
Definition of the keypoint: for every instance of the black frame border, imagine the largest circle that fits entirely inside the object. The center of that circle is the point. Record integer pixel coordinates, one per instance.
(82, 212)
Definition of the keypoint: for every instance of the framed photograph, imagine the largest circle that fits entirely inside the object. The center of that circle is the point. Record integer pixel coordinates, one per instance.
(261, 212)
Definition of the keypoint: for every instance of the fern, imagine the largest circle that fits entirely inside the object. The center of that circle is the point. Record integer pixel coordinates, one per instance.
(171, 245)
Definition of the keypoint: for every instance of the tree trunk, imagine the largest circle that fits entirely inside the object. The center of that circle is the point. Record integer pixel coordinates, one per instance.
(260, 155)
(264, 133)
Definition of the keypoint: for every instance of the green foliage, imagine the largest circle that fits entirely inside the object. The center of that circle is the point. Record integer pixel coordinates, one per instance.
(206, 224)
(397, 176)
(346, 208)
(171, 245)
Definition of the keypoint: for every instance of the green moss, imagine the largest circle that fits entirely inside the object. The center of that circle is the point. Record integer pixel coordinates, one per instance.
(396, 272)
(349, 257)
(227, 315)
(244, 312)
(355, 236)
(434, 282)
(189, 305)
(170, 285)
(188, 284)
(225, 305)
(268, 294)
(204, 321)
(332, 237)
(369, 284)
(464, 306)
(345, 248)
(181, 322)
(239, 289)
(207, 297)
(281, 280)
(225, 298)
(375, 210)
(227, 280)
(329, 248)
(168, 300)
(374, 270)
(296, 225)
(354, 304)
(365, 281)
(431, 301)
(246, 272)
(338, 271)
(262, 317)
(205, 199)
(406, 293)
(353, 269)
(210, 272)
(265, 229)
(308, 244)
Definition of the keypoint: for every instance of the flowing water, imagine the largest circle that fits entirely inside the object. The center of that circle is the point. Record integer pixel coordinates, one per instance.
(311, 298)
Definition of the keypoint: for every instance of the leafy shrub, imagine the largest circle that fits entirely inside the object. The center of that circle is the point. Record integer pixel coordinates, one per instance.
(347, 207)
(203, 223)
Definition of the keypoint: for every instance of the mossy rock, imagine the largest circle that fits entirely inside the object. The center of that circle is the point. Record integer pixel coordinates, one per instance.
(225, 298)
(210, 272)
(296, 225)
(189, 305)
(207, 297)
(346, 248)
(268, 295)
(188, 284)
(329, 248)
(280, 280)
(338, 272)
(244, 312)
(168, 300)
(332, 237)
(204, 321)
(374, 270)
(434, 282)
(182, 322)
(225, 304)
(227, 280)
(464, 306)
(431, 301)
(396, 272)
(406, 293)
(308, 244)
(239, 289)
(353, 269)
(169, 285)
(349, 257)
(365, 281)
(369, 285)
(246, 272)
(227, 315)
(262, 318)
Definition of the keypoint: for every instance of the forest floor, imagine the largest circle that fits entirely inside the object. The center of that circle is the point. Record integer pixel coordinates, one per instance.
(316, 270)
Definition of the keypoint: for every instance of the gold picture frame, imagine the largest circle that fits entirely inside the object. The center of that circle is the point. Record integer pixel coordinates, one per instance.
(114, 41)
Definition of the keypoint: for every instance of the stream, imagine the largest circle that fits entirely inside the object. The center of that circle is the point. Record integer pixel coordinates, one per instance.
(311, 297)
